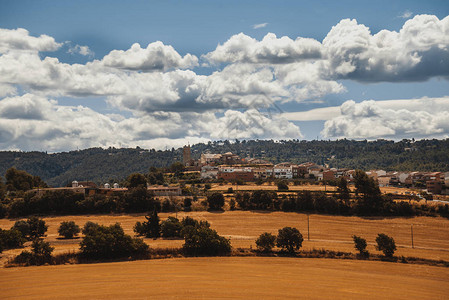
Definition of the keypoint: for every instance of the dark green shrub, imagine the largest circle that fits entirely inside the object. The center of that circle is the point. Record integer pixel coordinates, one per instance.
(150, 228)
(202, 240)
(360, 244)
(282, 185)
(110, 242)
(23, 227)
(41, 252)
(168, 206)
(11, 239)
(215, 201)
(289, 239)
(385, 244)
(37, 227)
(68, 229)
(171, 227)
(266, 241)
(32, 228)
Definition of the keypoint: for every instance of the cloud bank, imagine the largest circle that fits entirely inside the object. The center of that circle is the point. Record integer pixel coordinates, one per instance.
(160, 98)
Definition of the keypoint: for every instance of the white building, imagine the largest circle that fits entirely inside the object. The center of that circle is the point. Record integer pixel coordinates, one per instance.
(283, 171)
(209, 172)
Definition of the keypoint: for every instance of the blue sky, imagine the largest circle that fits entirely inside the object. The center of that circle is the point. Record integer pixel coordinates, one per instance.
(206, 75)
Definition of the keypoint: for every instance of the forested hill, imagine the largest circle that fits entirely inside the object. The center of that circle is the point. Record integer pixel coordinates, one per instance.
(102, 165)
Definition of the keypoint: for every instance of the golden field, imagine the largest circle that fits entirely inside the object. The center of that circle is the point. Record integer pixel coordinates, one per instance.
(431, 235)
(227, 277)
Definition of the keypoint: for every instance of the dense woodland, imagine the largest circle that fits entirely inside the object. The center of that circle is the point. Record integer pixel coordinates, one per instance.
(113, 165)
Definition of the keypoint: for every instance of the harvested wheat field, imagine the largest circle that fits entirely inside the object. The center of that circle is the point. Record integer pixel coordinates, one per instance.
(227, 277)
(431, 235)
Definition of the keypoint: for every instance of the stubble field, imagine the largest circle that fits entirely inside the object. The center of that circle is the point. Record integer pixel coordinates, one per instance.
(246, 277)
(430, 235)
(227, 278)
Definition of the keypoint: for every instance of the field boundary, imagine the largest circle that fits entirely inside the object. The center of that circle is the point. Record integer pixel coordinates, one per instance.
(73, 257)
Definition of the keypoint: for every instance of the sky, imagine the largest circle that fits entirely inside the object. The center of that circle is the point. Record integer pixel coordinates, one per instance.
(161, 74)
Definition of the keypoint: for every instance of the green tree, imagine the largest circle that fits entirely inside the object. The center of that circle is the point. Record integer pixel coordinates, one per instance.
(38, 228)
(385, 244)
(202, 240)
(136, 180)
(370, 199)
(18, 180)
(105, 242)
(23, 227)
(32, 228)
(360, 244)
(266, 241)
(150, 228)
(11, 239)
(289, 238)
(41, 252)
(171, 227)
(343, 190)
(68, 229)
(282, 185)
(215, 201)
(177, 168)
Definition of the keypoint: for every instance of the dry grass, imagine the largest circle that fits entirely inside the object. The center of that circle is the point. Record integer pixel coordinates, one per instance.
(431, 235)
(228, 277)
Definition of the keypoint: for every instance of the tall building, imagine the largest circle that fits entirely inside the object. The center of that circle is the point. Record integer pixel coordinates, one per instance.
(186, 159)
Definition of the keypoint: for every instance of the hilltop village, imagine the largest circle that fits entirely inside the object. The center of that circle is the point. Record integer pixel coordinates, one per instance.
(231, 167)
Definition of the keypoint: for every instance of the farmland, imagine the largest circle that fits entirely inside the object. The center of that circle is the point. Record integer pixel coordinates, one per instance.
(229, 277)
(243, 227)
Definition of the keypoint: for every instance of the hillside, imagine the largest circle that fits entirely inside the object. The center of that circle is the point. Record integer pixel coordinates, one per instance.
(102, 165)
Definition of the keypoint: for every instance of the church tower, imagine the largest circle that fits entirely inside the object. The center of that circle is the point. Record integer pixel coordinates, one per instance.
(186, 159)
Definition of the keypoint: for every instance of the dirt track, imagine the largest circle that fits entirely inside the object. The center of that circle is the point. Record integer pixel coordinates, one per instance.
(229, 277)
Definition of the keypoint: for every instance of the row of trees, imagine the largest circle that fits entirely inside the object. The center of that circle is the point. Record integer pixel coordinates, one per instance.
(110, 242)
(289, 239)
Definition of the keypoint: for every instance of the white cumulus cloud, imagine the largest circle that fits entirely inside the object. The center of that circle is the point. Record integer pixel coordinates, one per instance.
(369, 120)
(155, 57)
(20, 39)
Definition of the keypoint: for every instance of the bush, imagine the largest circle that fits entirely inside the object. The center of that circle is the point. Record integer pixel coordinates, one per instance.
(110, 242)
(385, 244)
(171, 227)
(11, 239)
(23, 227)
(360, 245)
(232, 204)
(289, 239)
(265, 242)
(150, 228)
(32, 228)
(187, 204)
(215, 201)
(68, 229)
(202, 240)
(40, 254)
(37, 227)
(282, 185)
(168, 206)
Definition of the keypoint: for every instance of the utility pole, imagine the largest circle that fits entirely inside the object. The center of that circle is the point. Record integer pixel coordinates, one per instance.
(411, 232)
